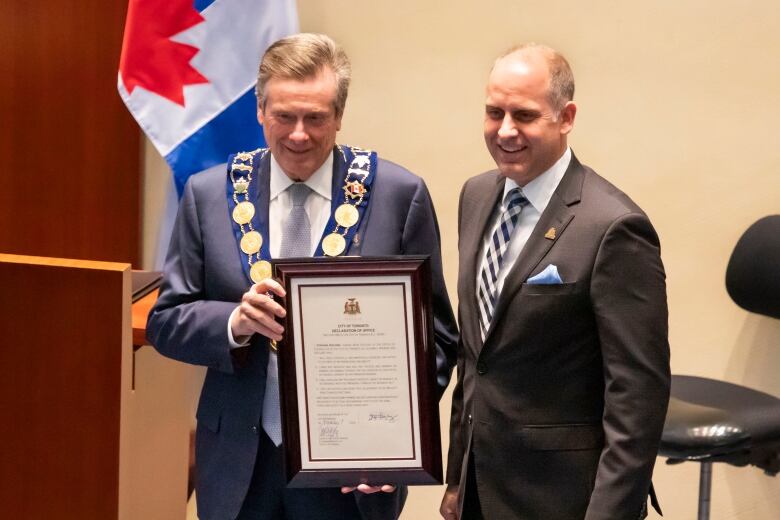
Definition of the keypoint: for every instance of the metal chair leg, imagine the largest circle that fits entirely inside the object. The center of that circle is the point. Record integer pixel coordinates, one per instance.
(705, 490)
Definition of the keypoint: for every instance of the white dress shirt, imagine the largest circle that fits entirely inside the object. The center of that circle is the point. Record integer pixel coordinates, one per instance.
(317, 209)
(317, 205)
(538, 192)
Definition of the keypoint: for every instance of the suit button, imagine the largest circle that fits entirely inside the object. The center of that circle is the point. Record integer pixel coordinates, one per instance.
(254, 429)
(471, 419)
(481, 368)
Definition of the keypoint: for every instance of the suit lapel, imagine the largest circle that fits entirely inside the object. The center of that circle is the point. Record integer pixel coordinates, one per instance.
(337, 181)
(337, 198)
(262, 202)
(484, 196)
(557, 215)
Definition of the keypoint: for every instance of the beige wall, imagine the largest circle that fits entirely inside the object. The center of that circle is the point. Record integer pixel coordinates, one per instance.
(677, 106)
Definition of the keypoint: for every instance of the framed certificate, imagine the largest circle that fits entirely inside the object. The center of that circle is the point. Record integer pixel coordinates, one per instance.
(357, 372)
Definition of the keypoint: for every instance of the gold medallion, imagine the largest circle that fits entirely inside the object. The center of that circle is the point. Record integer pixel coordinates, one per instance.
(251, 242)
(260, 271)
(347, 215)
(333, 244)
(243, 212)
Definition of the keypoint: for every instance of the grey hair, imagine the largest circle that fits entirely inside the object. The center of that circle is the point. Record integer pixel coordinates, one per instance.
(303, 56)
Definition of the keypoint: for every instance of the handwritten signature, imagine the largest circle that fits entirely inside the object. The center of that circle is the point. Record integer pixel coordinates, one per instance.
(329, 432)
(382, 416)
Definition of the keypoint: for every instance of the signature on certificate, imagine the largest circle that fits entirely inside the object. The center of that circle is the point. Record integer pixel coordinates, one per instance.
(329, 432)
(382, 417)
(329, 426)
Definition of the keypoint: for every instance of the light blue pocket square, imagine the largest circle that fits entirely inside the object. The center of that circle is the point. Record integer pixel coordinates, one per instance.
(547, 277)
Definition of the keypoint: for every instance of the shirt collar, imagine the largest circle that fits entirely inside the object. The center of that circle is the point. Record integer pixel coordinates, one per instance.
(540, 190)
(321, 181)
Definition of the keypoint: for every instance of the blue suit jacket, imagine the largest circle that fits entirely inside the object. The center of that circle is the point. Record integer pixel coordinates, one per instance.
(203, 283)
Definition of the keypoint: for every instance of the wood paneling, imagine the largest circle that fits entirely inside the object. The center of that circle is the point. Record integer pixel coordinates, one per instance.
(69, 150)
(61, 344)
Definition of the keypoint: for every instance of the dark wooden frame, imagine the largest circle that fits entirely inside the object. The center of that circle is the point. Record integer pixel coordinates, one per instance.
(419, 271)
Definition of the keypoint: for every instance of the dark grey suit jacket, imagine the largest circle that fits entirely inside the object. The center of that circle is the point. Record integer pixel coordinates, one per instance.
(564, 403)
(203, 282)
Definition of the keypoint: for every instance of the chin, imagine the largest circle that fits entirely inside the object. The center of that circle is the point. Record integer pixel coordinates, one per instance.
(296, 162)
(512, 171)
(519, 176)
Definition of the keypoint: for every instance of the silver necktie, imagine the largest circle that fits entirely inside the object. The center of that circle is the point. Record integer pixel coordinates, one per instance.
(296, 242)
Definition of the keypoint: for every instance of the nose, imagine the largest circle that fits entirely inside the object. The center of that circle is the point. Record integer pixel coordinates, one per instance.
(299, 133)
(507, 128)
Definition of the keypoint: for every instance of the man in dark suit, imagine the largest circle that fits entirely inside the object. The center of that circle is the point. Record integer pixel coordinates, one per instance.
(563, 361)
(216, 304)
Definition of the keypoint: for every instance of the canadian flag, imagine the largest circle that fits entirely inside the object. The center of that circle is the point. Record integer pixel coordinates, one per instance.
(187, 74)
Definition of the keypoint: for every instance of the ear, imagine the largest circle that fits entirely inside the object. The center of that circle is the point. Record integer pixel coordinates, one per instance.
(338, 121)
(260, 115)
(567, 116)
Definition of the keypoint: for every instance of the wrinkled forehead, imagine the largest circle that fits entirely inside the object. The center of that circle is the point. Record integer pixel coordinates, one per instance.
(315, 89)
(323, 77)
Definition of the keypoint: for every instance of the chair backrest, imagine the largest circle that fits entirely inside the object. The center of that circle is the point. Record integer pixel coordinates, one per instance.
(753, 273)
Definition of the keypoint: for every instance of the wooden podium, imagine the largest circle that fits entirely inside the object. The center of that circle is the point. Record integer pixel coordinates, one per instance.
(90, 428)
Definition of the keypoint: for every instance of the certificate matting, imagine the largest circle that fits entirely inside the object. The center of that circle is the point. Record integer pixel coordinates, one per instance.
(357, 372)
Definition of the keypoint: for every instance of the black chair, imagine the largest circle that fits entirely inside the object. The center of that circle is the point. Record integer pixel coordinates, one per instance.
(713, 421)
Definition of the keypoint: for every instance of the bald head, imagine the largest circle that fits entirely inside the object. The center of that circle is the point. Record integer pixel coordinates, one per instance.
(560, 87)
(528, 111)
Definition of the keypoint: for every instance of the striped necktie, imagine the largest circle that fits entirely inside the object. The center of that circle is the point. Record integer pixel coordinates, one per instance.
(487, 293)
(296, 242)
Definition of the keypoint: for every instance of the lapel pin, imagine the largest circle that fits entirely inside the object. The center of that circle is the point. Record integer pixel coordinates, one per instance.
(550, 235)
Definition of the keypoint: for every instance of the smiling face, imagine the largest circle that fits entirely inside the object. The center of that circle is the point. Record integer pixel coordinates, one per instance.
(300, 122)
(524, 133)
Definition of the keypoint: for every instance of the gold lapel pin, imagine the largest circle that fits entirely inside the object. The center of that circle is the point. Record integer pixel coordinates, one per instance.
(550, 235)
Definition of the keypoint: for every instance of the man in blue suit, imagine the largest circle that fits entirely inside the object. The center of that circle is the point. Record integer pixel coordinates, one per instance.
(216, 305)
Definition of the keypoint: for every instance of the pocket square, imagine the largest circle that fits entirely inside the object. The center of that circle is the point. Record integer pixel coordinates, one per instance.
(547, 277)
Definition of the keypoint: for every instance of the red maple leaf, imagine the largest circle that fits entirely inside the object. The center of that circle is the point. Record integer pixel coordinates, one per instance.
(150, 59)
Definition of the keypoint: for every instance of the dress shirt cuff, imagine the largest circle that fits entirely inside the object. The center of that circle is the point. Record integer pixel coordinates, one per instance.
(242, 341)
